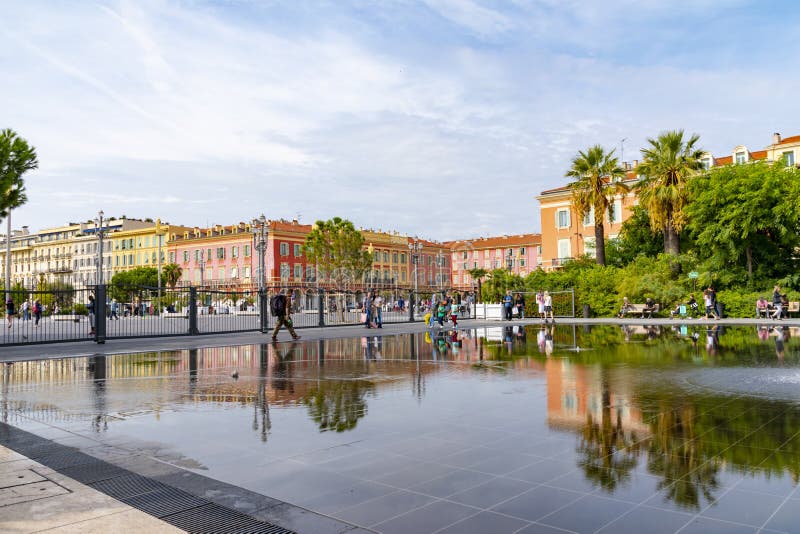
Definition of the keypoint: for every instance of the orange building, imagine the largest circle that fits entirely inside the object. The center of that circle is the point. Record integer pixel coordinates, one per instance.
(566, 236)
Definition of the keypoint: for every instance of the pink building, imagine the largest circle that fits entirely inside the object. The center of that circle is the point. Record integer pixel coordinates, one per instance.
(227, 257)
(520, 254)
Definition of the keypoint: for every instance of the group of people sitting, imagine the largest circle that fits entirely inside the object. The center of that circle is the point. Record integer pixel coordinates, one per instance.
(777, 309)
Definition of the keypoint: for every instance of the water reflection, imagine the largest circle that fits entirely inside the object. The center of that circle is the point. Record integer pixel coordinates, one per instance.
(687, 404)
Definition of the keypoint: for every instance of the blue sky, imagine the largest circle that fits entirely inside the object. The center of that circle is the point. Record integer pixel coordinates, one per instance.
(442, 118)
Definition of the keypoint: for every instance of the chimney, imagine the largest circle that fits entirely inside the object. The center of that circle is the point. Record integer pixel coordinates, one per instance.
(635, 163)
(776, 138)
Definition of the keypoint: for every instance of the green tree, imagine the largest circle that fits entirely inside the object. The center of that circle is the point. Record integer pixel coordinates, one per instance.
(747, 218)
(16, 158)
(635, 238)
(667, 164)
(126, 284)
(56, 292)
(337, 249)
(171, 273)
(478, 274)
(596, 173)
(499, 281)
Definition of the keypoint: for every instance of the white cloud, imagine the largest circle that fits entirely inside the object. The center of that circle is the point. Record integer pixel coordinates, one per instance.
(196, 113)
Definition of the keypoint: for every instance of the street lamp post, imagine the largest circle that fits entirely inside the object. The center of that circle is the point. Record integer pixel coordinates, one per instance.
(99, 226)
(415, 247)
(260, 229)
(509, 261)
(158, 238)
(202, 264)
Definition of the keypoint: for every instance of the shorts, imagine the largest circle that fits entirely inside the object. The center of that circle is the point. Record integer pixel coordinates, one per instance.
(548, 309)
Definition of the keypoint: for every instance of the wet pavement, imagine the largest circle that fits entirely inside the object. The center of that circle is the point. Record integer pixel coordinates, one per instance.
(607, 428)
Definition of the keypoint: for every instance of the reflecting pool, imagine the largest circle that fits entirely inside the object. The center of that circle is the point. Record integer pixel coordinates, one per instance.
(628, 429)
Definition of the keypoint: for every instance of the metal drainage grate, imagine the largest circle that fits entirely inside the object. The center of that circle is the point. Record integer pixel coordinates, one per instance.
(93, 472)
(127, 486)
(62, 460)
(173, 505)
(216, 519)
(164, 502)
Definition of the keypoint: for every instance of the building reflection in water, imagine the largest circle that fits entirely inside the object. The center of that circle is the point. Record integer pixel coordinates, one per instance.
(593, 391)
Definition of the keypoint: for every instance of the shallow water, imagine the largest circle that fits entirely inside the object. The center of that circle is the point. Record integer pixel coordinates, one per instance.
(372, 430)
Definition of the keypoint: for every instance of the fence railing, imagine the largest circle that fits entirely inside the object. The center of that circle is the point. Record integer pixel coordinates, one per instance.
(115, 312)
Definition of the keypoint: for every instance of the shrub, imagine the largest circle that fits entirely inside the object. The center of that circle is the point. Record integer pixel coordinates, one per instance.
(79, 309)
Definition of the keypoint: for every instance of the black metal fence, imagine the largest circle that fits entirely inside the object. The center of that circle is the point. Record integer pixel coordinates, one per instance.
(129, 312)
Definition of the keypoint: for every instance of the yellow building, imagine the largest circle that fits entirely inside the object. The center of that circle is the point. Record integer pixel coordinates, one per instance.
(566, 236)
(140, 247)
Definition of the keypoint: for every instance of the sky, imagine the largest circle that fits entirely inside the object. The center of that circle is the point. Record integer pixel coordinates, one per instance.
(437, 118)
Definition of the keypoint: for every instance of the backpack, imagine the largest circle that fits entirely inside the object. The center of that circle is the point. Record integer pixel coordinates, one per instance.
(36, 308)
(277, 305)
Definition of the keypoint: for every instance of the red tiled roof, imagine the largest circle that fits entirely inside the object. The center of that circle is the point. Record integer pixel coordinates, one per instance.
(496, 242)
(792, 139)
(761, 154)
(724, 160)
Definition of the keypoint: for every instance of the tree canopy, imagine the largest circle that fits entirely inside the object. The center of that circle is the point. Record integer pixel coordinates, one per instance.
(16, 158)
(125, 284)
(746, 219)
(171, 273)
(596, 173)
(668, 163)
(337, 249)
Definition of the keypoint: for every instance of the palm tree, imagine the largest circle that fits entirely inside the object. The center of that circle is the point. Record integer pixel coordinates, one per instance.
(477, 274)
(667, 164)
(172, 273)
(596, 173)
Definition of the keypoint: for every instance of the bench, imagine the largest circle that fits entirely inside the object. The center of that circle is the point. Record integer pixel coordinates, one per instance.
(638, 309)
(766, 313)
(67, 317)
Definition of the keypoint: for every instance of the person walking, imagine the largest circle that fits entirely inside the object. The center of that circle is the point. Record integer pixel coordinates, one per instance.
(377, 309)
(10, 311)
(540, 304)
(368, 310)
(777, 304)
(113, 310)
(519, 302)
(26, 310)
(90, 309)
(279, 306)
(37, 312)
(508, 305)
(548, 307)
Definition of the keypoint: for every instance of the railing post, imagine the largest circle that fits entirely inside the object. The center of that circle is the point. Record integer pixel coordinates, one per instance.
(411, 304)
(321, 307)
(100, 314)
(263, 309)
(193, 331)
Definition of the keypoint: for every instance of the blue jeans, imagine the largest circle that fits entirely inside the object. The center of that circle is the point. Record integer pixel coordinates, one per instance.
(369, 318)
(379, 319)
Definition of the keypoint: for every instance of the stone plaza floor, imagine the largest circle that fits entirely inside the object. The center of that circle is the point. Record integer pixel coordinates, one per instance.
(610, 428)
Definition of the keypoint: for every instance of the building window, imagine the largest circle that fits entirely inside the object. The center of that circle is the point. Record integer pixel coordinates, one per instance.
(376, 256)
(403, 276)
(284, 249)
(588, 219)
(310, 273)
(522, 262)
(385, 256)
(247, 251)
(234, 252)
(615, 212)
(402, 258)
(298, 250)
(221, 273)
(298, 271)
(394, 257)
(564, 249)
(285, 270)
(740, 158)
(234, 272)
(185, 256)
(220, 253)
(247, 272)
(589, 246)
(706, 163)
(522, 251)
(562, 219)
(208, 254)
(788, 158)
